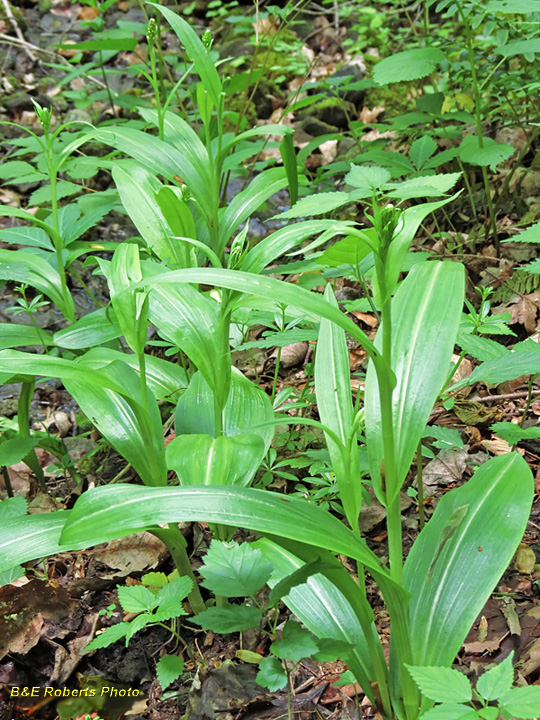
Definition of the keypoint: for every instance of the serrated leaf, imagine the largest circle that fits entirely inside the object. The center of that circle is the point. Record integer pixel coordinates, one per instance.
(136, 598)
(521, 702)
(271, 674)
(509, 367)
(15, 449)
(421, 150)
(176, 589)
(296, 643)
(407, 65)
(442, 684)
(481, 348)
(498, 681)
(168, 669)
(520, 47)
(491, 154)
(233, 570)
(229, 618)
(316, 204)
(450, 711)
(530, 235)
(366, 179)
(446, 437)
(108, 637)
(514, 433)
(424, 186)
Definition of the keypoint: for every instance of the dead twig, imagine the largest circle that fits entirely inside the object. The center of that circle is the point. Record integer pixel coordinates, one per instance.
(17, 30)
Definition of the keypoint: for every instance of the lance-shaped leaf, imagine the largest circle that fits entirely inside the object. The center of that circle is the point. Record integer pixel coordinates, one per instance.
(426, 311)
(248, 410)
(205, 460)
(193, 323)
(138, 188)
(15, 335)
(449, 585)
(334, 402)
(25, 267)
(95, 328)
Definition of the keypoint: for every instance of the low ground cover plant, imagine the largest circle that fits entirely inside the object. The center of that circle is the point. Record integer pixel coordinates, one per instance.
(193, 276)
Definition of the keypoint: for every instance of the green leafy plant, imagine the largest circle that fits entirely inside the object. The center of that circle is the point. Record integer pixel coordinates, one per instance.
(493, 694)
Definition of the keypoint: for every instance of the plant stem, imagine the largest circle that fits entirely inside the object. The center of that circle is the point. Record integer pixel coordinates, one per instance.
(176, 545)
(529, 399)
(23, 417)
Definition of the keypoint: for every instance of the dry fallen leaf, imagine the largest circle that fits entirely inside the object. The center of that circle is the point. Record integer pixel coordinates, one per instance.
(525, 559)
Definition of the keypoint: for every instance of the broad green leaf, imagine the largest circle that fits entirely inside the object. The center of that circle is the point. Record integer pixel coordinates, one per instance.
(407, 65)
(197, 53)
(421, 150)
(137, 188)
(445, 604)
(423, 337)
(193, 323)
(168, 669)
(12, 507)
(521, 702)
(513, 7)
(205, 460)
(93, 329)
(350, 250)
(116, 44)
(325, 610)
(244, 203)
(31, 236)
(334, 402)
(228, 618)
(288, 155)
(234, 570)
(114, 511)
(295, 644)
(491, 153)
(266, 287)
(282, 240)
(367, 179)
(176, 590)
(271, 674)
(317, 204)
(129, 300)
(410, 221)
(247, 408)
(14, 335)
(497, 681)
(164, 378)
(29, 537)
(442, 684)
(133, 431)
(136, 598)
(25, 267)
(514, 433)
(445, 436)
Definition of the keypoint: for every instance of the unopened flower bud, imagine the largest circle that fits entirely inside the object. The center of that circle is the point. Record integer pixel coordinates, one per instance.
(207, 39)
(151, 31)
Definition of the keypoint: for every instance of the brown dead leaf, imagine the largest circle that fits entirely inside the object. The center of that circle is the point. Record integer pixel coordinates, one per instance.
(531, 661)
(135, 553)
(523, 309)
(368, 116)
(328, 151)
(480, 648)
(497, 446)
(87, 12)
(447, 468)
(464, 370)
(30, 612)
(370, 320)
(292, 355)
(66, 52)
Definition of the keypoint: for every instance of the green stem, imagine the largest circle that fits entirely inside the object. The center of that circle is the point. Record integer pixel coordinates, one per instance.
(420, 485)
(177, 546)
(276, 373)
(23, 417)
